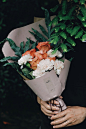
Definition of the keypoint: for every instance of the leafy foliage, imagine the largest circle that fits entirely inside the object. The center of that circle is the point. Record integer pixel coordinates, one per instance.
(69, 23)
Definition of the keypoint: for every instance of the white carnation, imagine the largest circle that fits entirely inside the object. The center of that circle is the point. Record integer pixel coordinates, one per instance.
(58, 66)
(38, 73)
(45, 65)
(58, 53)
(24, 59)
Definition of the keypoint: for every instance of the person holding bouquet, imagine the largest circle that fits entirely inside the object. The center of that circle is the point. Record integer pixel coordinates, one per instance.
(74, 96)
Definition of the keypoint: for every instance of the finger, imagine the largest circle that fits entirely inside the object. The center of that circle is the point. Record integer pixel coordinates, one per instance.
(63, 124)
(60, 120)
(59, 115)
(46, 110)
(60, 97)
(54, 102)
(46, 113)
(54, 108)
(47, 106)
(72, 123)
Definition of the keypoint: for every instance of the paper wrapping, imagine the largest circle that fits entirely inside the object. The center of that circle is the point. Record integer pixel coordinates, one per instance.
(50, 85)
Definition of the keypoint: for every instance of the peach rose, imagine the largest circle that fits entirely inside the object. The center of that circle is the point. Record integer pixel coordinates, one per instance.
(44, 46)
(40, 55)
(34, 63)
(51, 58)
(31, 52)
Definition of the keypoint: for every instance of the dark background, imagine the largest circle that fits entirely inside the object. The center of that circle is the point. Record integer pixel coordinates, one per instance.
(16, 105)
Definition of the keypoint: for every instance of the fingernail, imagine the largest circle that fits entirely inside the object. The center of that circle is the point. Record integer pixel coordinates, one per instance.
(53, 126)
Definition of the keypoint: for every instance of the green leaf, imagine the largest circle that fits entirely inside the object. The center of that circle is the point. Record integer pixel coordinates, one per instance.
(13, 45)
(19, 53)
(34, 45)
(75, 30)
(3, 41)
(66, 17)
(27, 46)
(83, 37)
(69, 30)
(54, 51)
(55, 8)
(55, 20)
(84, 24)
(14, 65)
(70, 40)
(4, 0)
(28, 65)
(26, 72)
(82, 1)
(79, 34)
(57, 29)
(81, 18)
(43, 31)
(31, 73)
(60, 15)
(64, 47)
(56, 39)
(39, 35)
(69, 45)
(63, 35)
(31, 41)
(22, 47)
(64, 6)
(83, 10)
(63, 26)
(9, 58)
(71, 10)
(76, 1)
(36, 37)
(47, 20)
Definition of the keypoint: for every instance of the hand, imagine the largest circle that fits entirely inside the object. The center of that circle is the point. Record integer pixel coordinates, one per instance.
(45, 107)
(71, 116)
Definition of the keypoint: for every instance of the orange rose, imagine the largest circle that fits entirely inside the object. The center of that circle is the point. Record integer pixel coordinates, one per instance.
(52, 58)
(34, 63)
(31, 52)
(40, 55)
(44, 46)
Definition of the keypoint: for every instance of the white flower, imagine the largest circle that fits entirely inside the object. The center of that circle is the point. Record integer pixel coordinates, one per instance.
(58, 71)
(58, 53)
(38, 73)
(58, 66)
(24, 59)
(45, 65)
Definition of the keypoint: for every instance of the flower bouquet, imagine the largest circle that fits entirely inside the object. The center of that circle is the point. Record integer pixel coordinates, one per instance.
(41, 64)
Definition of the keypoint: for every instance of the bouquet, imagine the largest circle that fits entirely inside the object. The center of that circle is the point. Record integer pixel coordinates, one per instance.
(41, 64)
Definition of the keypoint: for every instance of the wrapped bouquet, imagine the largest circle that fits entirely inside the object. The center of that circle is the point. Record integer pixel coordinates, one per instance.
(41, 63)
